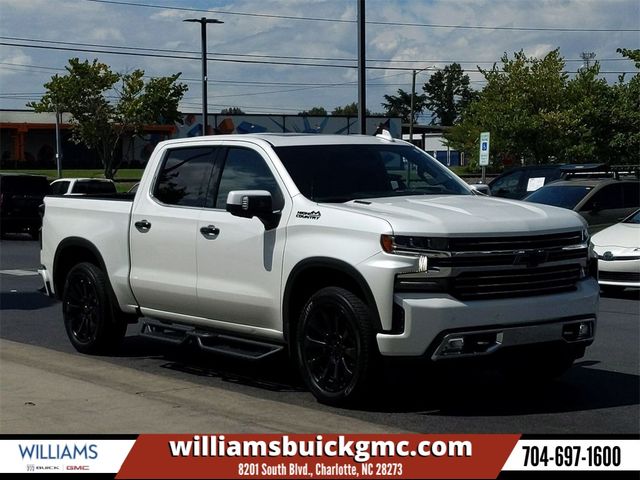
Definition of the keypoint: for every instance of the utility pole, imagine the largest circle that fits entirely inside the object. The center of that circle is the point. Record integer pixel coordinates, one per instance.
(203, 34)
(362, 71)
(413, 96)
(58, 143)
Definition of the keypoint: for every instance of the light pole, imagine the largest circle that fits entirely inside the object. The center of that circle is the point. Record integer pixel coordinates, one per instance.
(413, 94)
(362, 69)
(203, 30)
(58, 143)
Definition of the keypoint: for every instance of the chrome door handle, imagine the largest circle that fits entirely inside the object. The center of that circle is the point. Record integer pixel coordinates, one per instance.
(210, 231)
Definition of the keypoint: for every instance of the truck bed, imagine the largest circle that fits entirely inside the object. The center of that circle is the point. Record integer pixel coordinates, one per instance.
(101, 220)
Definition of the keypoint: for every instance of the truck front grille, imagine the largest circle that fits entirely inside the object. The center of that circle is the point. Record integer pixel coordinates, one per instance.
(492, 244)
(519, 282)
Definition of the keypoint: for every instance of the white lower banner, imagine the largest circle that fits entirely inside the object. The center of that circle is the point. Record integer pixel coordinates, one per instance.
(63, 456)
(574, 455)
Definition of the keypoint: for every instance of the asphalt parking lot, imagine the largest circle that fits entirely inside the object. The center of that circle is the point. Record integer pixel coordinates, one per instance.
(600, 395)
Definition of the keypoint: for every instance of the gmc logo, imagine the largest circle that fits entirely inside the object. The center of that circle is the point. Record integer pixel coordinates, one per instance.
(531, 258)
(78, 467)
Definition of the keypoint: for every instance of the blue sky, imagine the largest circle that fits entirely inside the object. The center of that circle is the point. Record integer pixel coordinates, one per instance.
(258, 34)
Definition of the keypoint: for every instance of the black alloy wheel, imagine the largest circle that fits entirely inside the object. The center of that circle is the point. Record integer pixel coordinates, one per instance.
(89, 315)
(81, 308)
(335, 346)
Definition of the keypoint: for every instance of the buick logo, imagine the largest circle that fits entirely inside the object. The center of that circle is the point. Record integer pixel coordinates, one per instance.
(608, 256)
(531, 258)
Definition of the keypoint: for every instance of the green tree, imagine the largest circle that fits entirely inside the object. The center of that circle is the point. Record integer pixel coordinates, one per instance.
(231, 111)
(317, 111)
(400, 105)
(522, 106)
(350, 110)
(105, 106)
(625, 114)
(587, 118)
(447, 93)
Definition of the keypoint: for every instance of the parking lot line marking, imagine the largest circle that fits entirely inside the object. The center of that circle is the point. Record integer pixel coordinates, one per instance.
(18, 273)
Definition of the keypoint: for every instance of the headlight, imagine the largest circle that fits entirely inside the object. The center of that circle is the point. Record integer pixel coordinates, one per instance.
(407, 245)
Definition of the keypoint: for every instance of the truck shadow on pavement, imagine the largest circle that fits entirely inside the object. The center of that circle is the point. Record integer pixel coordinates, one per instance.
(24, 301)
(452, 393)
(488, 393)
(272, 374)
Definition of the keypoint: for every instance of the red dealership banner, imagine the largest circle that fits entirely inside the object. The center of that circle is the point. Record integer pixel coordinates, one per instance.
(319, 456)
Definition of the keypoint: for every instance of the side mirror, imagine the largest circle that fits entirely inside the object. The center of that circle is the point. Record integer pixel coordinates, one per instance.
(481, 188)
(253, 203)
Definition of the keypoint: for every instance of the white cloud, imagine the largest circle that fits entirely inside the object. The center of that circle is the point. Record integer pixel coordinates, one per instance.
(84, 22)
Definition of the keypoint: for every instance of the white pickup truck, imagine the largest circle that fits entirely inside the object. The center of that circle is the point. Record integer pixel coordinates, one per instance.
(340, 249)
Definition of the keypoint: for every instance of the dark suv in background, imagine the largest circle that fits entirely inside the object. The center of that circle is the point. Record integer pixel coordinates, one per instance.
(601, 201)
(520, 181)
(20, 197)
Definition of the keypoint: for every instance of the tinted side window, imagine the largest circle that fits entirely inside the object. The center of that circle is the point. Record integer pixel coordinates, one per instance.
(94, 186)
(184, 176)
(631, 193)
(245, 169)
(59, 188)
(507, 185)
(606, 198)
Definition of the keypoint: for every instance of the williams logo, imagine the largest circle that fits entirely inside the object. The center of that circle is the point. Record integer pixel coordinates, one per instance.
(308, 215)
(58, 451)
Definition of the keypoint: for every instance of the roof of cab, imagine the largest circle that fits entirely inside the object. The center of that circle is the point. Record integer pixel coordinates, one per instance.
(300, 139)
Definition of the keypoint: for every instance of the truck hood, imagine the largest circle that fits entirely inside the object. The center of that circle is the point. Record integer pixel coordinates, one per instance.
(464, 215)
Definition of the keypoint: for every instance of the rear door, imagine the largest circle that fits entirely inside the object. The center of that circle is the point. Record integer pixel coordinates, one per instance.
(239, 268)
(163, 231)
(605, 207)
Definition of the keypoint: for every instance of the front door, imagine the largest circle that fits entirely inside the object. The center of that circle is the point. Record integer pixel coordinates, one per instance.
(239, 261)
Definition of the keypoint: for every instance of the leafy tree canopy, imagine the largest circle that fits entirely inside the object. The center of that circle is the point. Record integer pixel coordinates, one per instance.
(350, 110)
(400, 105)
(536, 114)
(105, 105)
(317, 111)
(231, 111)
(447, 94)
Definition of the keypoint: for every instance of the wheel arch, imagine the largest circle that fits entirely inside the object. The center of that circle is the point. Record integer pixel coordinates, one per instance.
(72, 251)
(312, 274)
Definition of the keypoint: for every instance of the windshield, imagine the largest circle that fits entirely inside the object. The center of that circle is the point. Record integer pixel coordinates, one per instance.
(559, 196)
(340, 173)
(633, 218)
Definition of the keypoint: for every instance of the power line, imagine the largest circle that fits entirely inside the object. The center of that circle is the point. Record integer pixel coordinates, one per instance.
(396, 24)
(259, 62)
(235, 82)
(286, 57)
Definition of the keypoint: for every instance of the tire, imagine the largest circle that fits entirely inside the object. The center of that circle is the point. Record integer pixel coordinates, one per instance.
(90, 316)
(335, 346)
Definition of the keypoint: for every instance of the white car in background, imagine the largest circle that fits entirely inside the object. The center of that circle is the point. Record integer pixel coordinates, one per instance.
(82, 186)
(618, 250)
